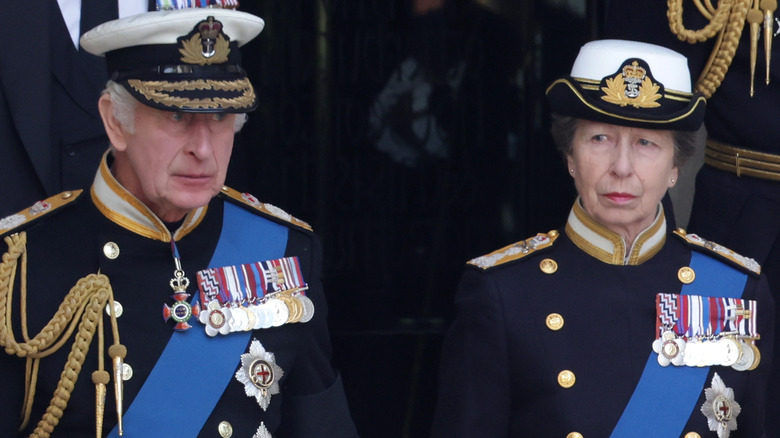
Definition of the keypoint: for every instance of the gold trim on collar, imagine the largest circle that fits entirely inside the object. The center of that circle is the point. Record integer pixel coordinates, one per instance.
(125, 210)
(608, 246)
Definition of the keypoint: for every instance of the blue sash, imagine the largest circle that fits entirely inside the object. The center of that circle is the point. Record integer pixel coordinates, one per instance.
(670, 393)
(173, 402)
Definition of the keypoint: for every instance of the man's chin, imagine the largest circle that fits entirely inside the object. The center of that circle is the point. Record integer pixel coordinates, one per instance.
(194, 199)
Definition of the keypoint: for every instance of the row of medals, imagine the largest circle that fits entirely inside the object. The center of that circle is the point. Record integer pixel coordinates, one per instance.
(719, 350)
(272, 311)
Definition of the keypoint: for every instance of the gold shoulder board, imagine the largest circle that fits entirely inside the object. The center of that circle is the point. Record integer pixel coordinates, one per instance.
(38, 210)
(516, 250)
(268, 209)
(719, 251)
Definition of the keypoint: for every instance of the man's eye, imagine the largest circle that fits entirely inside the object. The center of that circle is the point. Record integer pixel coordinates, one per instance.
(177, 117)
(219, 116)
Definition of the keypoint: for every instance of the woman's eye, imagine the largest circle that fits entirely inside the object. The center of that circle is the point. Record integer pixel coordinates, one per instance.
(645, 142)
(599, 137)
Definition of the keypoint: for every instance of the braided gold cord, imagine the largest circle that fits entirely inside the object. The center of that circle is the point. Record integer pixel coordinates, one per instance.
(727, 22)
(716, 24)
(82, 306)
(76, 358)
(725, 48)
(706, 9)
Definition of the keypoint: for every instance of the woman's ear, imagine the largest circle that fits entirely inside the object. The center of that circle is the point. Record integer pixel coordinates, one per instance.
(570, 164)
(114, 130)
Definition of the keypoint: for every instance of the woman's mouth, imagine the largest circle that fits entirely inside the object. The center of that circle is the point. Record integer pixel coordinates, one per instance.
(620, 198)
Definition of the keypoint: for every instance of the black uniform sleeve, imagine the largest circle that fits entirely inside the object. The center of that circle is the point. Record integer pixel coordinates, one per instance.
(314, 390)
(474, 394)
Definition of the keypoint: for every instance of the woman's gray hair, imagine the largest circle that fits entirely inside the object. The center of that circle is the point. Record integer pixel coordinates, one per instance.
(125, 103)
(686, 143)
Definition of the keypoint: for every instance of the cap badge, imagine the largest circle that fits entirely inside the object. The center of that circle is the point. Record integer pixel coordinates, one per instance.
(632, 85)
(206, 44)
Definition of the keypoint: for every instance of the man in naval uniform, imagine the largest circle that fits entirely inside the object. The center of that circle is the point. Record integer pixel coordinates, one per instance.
(158, 302)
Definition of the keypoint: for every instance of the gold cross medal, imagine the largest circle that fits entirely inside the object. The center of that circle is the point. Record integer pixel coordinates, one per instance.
(260, 374)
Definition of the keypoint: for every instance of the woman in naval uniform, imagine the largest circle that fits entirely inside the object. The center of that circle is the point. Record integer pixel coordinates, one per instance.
(616, 324)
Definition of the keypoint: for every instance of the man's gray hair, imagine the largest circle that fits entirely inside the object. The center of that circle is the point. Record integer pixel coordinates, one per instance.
(125, 103)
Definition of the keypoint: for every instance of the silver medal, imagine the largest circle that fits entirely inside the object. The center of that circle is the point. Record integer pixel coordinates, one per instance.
(308, 308)
(280, 312)
(746, 359)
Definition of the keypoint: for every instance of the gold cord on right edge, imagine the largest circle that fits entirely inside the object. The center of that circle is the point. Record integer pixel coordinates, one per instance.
(728, 22)
(83, 305)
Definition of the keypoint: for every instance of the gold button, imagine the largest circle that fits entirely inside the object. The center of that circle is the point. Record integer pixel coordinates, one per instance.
(127, 371)
(566, 379)
(554, 321)
(225, 189)
(66, 195)
(692, 435)
(548, 266)
(111, 250)
(574, 435)
(686, 275)
(118, 309)
(553, 233)
(225, 429)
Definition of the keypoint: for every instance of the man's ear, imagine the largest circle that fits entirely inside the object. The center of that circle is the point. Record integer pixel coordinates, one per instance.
(114, 130)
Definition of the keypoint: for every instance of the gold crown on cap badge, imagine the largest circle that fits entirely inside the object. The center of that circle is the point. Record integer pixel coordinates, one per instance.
(206, 44)
(632, 86)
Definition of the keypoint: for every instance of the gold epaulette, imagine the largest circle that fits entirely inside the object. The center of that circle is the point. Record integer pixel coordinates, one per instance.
(719, 251)
(38, 210)
(516, 250)
(268, 209)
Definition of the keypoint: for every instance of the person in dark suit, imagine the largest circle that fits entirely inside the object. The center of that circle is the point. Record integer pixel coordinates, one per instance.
(49, 123)
(613, 325)
(159, 302)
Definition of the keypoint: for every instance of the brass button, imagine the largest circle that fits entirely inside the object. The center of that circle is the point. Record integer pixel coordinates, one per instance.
(574, 435)
(548, 266)
(554, 321)
(692, 435)
(226, 189)
(127, 371)
(686, 275)
(118, 309)
(111, 250)
(225, 429)
(66, 195)
(553, 233)
(566, 379)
